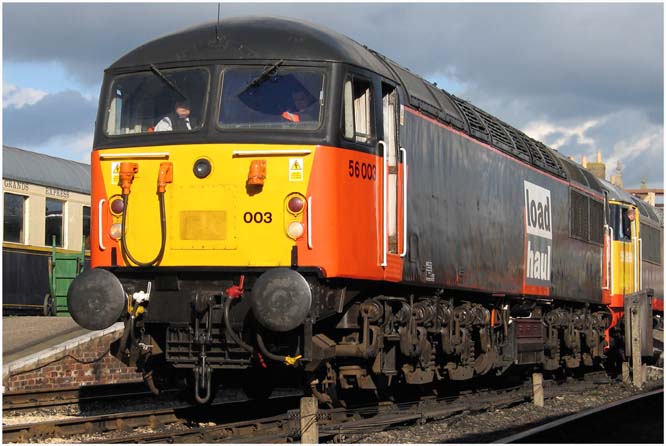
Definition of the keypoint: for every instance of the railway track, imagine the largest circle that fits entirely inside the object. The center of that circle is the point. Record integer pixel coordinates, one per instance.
(272, 421)
(74, 395)
(179, 417)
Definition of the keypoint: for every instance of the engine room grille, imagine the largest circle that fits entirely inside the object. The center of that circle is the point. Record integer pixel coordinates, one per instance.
(596, 221)
(651, 244)
(580, 217)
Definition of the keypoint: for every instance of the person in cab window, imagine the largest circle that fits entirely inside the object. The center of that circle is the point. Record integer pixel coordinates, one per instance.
(178, 120)
(628, 216)
(305, 107)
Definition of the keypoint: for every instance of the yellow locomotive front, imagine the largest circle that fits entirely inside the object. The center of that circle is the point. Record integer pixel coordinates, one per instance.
(238, 204)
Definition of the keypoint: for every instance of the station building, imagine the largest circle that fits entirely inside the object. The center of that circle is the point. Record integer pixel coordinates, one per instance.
(43, 197)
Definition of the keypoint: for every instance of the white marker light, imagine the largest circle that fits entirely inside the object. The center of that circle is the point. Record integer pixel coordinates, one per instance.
(295, 230)
(115, 231)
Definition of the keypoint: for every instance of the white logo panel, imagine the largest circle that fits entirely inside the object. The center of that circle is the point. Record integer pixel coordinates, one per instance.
(538, 219)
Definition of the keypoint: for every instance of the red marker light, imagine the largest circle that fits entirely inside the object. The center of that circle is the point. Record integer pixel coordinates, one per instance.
(117, 206)
(296, 204)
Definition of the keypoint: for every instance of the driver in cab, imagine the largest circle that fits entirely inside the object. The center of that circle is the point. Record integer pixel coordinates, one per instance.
(305, 107)
(179, 119)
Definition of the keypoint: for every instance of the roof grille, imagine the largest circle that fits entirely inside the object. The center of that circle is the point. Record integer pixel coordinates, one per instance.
(476, 126)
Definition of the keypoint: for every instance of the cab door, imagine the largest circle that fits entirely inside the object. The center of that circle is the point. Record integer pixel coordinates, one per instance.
(625, 256)
(393, 187)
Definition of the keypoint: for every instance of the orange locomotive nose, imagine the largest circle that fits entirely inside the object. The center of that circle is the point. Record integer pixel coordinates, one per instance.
(127, 172)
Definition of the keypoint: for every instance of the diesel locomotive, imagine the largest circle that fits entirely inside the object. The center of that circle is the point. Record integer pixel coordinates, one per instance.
(273, 198)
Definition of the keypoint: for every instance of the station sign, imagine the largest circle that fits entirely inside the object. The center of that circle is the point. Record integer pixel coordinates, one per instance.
(19, 186)
(59, 193)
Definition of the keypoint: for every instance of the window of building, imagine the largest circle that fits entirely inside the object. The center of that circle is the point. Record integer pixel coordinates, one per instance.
(358, 116)
(14, 210)
(54, 209)
(86, 227)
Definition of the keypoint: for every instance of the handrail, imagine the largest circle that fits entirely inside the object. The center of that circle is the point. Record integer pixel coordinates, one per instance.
(274, 152)
(404, 202)
(640, 263)
(636, 261)
(145, 155)
(99, 224)
(382, 144)
(310, 222)
(609, 257)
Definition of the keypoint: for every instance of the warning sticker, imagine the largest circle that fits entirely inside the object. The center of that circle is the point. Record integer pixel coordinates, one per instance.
(296, 169)
(115, 172)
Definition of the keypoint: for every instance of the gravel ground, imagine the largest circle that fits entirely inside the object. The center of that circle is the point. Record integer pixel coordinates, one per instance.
(492, 425)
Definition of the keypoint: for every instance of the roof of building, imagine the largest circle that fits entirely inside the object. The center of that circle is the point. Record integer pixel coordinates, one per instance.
(45, 170)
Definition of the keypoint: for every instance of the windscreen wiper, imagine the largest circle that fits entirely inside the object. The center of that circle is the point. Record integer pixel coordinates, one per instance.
(262, 77)
(167, 81)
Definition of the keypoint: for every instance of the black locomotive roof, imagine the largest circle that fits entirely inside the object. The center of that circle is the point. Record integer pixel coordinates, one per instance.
(266, 39)
(252, 38)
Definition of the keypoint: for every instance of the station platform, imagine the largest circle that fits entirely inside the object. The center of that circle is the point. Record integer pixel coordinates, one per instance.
(23, 336)
(40, 353)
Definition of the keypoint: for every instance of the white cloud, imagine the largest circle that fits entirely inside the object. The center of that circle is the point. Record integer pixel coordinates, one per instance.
(540, 130)
(17, 97)
(76, 147)
(629, 149)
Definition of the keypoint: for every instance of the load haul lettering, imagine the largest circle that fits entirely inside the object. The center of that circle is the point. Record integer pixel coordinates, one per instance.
(539, 235)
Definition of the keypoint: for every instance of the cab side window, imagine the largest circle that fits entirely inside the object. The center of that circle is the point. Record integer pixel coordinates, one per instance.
(358, 111)
(621, 219)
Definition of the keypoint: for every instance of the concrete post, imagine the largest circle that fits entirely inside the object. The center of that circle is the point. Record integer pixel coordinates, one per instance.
(626, 377)
(537, 389)
(309, 428)
(636, 366)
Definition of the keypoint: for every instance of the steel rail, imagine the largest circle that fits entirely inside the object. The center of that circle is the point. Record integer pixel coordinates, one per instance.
(521, 436)
(23, 433)
(276, 428)
(125, 421)
(71, 395)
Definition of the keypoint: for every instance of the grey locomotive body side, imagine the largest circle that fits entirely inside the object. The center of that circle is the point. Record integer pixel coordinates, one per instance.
(467, 222)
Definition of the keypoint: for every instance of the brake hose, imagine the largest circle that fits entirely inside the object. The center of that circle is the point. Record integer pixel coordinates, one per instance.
(123, 242)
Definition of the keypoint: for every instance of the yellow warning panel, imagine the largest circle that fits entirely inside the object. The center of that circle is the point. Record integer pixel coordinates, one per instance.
(295, 169)
(115, 172)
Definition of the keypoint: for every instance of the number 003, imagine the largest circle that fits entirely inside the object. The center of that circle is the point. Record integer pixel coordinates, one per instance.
(258, 217)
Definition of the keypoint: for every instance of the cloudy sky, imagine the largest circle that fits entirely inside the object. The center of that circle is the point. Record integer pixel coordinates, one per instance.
(579, 77)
